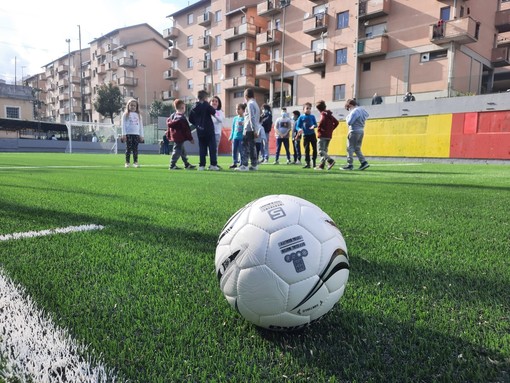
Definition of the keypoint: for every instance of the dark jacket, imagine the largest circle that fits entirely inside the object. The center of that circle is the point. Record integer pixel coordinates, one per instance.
(266, 120)
(327, 123)
(200, 116)
(178, 128)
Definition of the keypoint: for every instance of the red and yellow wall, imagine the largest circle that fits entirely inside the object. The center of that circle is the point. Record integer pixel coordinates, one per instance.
(474, 135)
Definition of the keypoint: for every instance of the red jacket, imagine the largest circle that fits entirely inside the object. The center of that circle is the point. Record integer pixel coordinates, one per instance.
(178, 128)
(327, 123)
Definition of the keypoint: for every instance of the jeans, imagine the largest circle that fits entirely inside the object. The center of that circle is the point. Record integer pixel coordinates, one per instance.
(179, 151)
(279, 142)
(237, 146)
(310, 141)
(207, 143)
(354, 142)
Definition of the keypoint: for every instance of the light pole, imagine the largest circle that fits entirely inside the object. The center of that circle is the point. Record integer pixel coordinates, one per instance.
(82, 101)
(283, 4)
(145, 89)
(68, 41)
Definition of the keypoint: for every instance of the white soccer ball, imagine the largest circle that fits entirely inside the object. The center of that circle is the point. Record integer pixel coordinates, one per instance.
(282, 262)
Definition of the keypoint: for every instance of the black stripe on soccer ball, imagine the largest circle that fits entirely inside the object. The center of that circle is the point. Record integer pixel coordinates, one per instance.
(226, 263)
(331, 269)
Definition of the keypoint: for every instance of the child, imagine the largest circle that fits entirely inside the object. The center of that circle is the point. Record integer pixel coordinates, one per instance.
(200, 115)
(179, 132)
(306, 124)
(217, 121)
(296, 138)
(356, 121)
(283, 127)
(266, 120)
(236, 136)
(327, 123)
(132, 131)
(250, 132)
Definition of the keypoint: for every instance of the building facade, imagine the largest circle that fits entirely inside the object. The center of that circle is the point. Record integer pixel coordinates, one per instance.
(293, 51)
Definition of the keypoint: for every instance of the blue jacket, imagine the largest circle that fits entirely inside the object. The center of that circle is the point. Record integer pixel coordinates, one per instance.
(305, 122)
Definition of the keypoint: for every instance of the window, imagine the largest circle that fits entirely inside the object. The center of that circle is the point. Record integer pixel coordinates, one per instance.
(339, 92)
(217, 16)
(190, 84)
(239, 94)
(190, 63)
(217, 64)
(445, 13)
(242, 71)
(190, 41)
(276, 54)
(190, 18)
(342, 20)
(277, 24)
(12, 112)
(218, 40)
(217, 88)
(436, 55)
(367, 66)
(375, 30)
(320, 10)
(341, 56)
(242, 46)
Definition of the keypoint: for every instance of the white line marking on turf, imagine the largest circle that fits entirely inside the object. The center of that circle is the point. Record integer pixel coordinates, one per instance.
(36, 350)
(61, 230)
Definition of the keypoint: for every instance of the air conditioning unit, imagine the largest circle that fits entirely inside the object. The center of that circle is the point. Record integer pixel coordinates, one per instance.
(425, 57)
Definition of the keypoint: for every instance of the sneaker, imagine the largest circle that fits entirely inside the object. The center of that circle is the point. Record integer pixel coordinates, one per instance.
(233, 166)
(320, 167)
(307, 166)
(174, 167)
(298, 162)
(289, 162)
(190, 167)
(346, 167)
(242, 168)
(276, 163)
(137, 166)
(201, 168)
(126, 165)
(253, 168)
(331, 164)
(214, 168)
(364, 165)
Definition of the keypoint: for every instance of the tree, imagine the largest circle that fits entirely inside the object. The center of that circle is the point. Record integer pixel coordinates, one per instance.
(109, 101)
(160, 109)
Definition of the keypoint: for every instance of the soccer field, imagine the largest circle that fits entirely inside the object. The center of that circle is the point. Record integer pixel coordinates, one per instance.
(130, 274)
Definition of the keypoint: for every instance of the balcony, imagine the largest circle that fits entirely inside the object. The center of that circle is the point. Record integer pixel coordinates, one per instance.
(87, 73)
(463, 31)
(63, 68)
(170, 33)
(170, 74)
(269, 38)
(315, 59)
(101, 69)
(128, 62)
(374, 46)
(112, 65)
(205, 86)
(316, 24)
(87, 90)
(236, 83)
(370, 9)
(267, 8)
(128, 81)
(268, 69)
(204, 66)
(75, 79)
(243, 30)
(242, 57)
(204, 42)
(170, 54)
(205, 19)
(170, 94)
(502, 22)
(63, 97)
(500, 57)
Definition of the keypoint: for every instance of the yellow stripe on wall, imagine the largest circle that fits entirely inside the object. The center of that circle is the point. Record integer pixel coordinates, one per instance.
(422, 136)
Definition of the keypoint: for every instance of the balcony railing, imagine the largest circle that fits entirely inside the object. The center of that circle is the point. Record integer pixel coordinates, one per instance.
(127, 62)
(242, 57)
(242, 30)
(269, 38)
(128, 81)
(205, 19)
(314, 59)
(204, 66)
(204, 42)
(463, 31)
(267, 8)
(374, 46)
(170, 33)
(170, 94)
(316, 24)
(268, 69)
(370, 9)
(500, 56)
(502, 22)
(171, 54)
(170, 74)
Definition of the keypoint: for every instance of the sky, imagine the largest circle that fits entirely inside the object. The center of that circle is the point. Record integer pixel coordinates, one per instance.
(33, 33)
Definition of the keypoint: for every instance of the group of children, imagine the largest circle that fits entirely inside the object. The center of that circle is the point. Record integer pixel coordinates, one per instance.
(248, 133)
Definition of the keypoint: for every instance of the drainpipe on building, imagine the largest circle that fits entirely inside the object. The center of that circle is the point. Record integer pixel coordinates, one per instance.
(451, 61)
(356, 60)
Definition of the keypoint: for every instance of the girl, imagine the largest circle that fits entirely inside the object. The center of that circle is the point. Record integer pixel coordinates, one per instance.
(132, 131)
(217, 119)
(236, 136)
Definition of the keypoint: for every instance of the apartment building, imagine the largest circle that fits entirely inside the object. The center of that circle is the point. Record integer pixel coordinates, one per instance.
(130, 57)
(293, 51)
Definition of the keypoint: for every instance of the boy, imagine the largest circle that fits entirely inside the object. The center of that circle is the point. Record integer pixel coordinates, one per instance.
(296, 138)
(327, 123)
(283, 126)
(356, 121)
(250, 132)
(179, 132)
(306, 123)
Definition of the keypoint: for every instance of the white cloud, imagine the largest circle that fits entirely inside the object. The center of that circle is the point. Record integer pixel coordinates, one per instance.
(33, 32)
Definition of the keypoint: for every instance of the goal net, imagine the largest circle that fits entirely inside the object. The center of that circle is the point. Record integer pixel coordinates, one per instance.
(92, 137)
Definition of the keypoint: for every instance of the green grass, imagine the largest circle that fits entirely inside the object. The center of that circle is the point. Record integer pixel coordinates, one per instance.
(428, 298)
